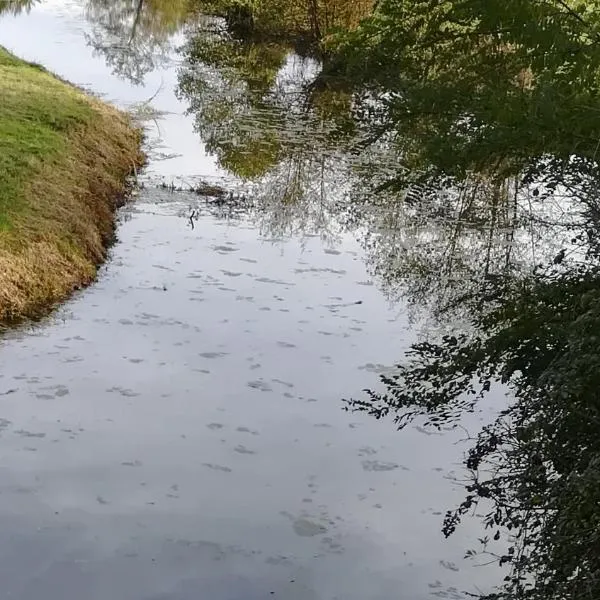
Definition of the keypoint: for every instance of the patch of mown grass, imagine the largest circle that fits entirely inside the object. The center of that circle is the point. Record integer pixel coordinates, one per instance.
(64, 158)
(36, 110)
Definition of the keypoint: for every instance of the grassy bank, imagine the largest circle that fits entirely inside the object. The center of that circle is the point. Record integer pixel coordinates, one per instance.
(64, 159)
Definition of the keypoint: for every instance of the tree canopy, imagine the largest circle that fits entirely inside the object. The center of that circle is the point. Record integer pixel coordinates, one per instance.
(505, 87)
(507, 90)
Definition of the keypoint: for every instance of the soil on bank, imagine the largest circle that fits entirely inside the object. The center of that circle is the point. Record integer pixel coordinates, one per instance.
(64, 161)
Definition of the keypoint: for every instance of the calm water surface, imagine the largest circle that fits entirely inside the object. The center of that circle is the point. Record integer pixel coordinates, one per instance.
(176, 432)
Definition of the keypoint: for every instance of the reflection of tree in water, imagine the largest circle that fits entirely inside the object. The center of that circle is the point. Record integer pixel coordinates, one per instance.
(226, 84)
(535, 470)
(439, 247)
(509, 89)
(256, 110)
(271, 119)
(433, 246)
(301, 24)
(16, 6)
(501, 120)
(134, 36)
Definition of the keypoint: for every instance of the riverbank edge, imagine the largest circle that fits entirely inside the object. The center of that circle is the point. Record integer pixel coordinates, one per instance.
(57, 232)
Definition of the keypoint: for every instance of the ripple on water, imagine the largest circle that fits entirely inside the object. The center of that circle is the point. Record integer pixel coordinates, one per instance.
(380, 465)
(213, 355)
(259, 384)
(247, 430)
(224, 249)
(306, 528)
(216, 467)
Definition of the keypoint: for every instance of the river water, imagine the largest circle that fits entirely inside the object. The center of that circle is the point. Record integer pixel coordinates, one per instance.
(176, 430)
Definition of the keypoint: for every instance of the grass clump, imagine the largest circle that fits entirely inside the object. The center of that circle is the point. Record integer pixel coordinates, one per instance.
(64, 160)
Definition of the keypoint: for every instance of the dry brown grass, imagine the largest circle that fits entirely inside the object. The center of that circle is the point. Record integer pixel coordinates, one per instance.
(55, 245)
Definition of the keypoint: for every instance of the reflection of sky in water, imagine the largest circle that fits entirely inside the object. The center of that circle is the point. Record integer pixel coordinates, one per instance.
(176, 430)
(53, 35)
(180, 423)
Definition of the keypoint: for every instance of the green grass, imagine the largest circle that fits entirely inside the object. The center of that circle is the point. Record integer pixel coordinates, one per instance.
(64, 161)
(37, 111)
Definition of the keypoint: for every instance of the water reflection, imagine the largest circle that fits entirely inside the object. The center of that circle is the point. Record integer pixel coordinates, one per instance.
(226, 84)
(271, 118)
(16, 6)
(291, 136)
(134, 36)
(286, 128)
(445, 248)
(256, 106)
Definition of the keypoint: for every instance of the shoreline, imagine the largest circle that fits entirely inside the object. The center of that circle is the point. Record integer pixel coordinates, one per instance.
(65, 161)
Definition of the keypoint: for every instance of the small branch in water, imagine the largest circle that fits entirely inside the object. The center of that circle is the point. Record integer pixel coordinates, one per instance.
(160, 87)
(135, 175)
(194, 215)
